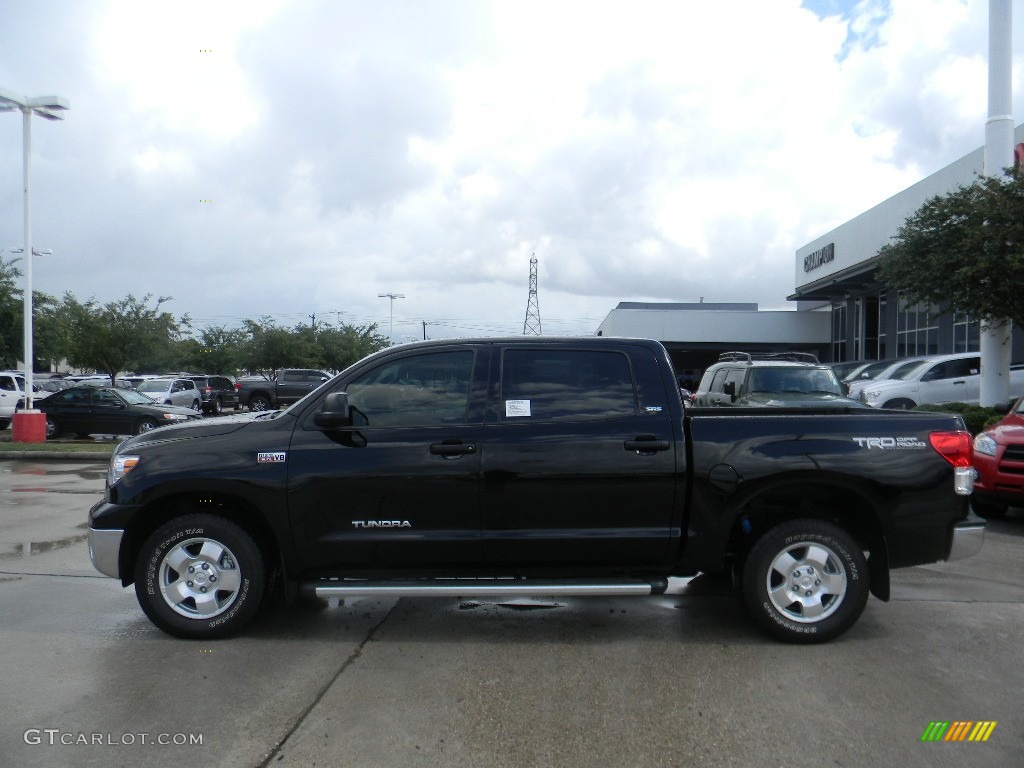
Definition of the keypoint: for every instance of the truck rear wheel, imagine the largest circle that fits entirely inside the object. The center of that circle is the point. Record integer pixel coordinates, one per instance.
(806, 581)
(259, 403)
(199, 577)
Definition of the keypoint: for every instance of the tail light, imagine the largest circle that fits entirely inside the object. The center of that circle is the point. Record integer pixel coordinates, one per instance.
(956, 448)
(238, 385)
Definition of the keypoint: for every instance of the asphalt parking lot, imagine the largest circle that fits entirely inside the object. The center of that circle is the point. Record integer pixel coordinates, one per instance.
(678, 680)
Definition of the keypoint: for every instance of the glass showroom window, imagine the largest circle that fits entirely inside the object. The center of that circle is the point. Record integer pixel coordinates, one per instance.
(839, 333)
(917, 329)
(966, 334)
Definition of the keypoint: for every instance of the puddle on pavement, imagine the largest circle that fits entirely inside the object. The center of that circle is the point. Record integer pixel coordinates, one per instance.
(30, 548)
(514, 605)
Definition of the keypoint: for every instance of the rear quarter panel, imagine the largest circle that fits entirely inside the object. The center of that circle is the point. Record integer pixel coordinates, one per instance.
(808, 463)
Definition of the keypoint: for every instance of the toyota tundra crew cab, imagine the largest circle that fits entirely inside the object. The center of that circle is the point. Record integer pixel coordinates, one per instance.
(535, 466)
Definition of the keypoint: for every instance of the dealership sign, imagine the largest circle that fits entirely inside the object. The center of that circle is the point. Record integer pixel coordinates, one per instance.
(819, 257)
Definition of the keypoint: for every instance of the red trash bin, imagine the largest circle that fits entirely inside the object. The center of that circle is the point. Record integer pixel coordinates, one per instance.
(28, 427)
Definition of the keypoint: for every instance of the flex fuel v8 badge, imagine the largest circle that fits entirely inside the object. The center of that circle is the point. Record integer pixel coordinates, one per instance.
(271, 457)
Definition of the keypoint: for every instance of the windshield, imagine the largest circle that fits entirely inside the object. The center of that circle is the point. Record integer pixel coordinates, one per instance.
(152, 385)
(134, 398)
(904, 371)
(874, 369)
(795, 380)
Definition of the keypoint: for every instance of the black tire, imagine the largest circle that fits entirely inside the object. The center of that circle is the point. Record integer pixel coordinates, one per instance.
(259, 403)
(217, 406)
(145, 425)
(52, 427)
(990, 509)
(5, 423)
(806, 581)
(220, 593)
(900, 404)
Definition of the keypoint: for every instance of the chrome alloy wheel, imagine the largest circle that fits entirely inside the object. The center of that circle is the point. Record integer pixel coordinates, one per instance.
(806, 582)
(199, 578)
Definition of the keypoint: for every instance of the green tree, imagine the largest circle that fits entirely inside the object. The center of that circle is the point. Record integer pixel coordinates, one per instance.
(11, 330)
(964, 251)
(120, 335)
(50, 332)
(342, 346)
(217, 350)
(269, 347)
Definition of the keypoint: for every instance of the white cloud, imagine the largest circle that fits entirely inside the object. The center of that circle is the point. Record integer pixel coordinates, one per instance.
(644, 151)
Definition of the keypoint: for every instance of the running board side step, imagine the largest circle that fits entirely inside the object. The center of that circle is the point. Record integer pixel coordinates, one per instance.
(486, 587)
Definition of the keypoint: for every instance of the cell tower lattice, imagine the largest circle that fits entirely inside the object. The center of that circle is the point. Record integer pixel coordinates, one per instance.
(531, 326)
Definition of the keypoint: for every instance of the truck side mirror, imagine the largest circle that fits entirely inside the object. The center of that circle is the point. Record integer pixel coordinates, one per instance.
(335, 412)
(729, 388)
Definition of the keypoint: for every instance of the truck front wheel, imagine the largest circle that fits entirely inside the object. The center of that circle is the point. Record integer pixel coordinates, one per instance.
(199, 577)
(806, 581)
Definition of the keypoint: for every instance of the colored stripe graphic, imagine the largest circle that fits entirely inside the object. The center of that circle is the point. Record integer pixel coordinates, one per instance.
(959, 730)
(982, 731)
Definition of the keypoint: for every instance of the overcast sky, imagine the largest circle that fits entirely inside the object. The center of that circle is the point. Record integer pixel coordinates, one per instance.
(295, 158)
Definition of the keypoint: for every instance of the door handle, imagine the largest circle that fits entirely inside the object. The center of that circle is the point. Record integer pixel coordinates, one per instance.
(452, 449)
(646, 445)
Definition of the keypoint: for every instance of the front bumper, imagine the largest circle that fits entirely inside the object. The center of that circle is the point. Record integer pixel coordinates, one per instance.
(968, 537)
(105, 550)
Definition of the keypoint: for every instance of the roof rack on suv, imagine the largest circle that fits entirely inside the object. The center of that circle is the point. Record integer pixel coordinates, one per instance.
(749, 357)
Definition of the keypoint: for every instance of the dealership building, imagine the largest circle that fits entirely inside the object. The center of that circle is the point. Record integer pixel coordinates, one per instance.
(843, 311)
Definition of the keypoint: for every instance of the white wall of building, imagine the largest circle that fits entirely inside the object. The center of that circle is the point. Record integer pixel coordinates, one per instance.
(735, 328)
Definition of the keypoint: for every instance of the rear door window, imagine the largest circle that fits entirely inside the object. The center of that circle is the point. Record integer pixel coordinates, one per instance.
(542, 384)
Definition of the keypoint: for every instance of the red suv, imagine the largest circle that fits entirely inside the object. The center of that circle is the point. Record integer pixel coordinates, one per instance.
(999, 461)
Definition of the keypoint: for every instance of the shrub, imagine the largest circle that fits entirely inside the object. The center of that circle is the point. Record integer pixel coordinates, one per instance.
(975, 417)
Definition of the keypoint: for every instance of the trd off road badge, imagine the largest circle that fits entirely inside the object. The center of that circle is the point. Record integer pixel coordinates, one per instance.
(271, 457)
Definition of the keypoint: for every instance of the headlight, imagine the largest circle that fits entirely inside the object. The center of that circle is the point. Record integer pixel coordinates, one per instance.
(175, 417)
(985, 444)
(121, 465)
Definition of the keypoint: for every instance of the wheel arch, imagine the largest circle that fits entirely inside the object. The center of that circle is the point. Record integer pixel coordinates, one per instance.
(836, 502)
(229, 506)
(265, 394)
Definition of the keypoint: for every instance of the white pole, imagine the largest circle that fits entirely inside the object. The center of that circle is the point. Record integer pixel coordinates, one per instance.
(995, 333)
(29, 356)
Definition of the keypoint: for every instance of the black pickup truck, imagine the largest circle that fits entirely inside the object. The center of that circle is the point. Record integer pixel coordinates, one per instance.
(535, 466)
(263, 393)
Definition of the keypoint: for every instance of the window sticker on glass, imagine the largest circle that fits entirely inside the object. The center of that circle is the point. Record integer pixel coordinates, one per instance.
(517, 408)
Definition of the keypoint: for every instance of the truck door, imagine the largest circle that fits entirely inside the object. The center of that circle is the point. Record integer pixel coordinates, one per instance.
(579, 466)
(401, 487)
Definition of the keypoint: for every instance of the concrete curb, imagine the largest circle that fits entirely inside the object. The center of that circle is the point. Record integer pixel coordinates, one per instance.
(58, 455)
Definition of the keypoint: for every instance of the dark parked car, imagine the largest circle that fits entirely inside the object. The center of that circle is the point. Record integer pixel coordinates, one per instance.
(218, 393)
(107, 411)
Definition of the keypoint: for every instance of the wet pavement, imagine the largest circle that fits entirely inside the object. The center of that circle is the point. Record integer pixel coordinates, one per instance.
(678, 680)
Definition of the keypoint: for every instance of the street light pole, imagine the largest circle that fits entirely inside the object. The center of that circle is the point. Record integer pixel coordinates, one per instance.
(47, 107)
(392, 296)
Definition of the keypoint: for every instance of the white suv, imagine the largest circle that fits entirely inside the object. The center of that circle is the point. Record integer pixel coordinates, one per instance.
(172, 391)
(941, 379)
(12, 395)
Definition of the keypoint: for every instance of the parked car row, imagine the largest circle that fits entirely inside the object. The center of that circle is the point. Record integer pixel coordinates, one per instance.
(90, 405)
(910, 382)
(86, 410)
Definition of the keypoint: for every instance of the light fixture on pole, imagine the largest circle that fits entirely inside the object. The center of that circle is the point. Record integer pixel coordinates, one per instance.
(48, 107)
(392, 296)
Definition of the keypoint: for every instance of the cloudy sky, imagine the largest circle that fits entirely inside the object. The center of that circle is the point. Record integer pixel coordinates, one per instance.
(289, 158)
